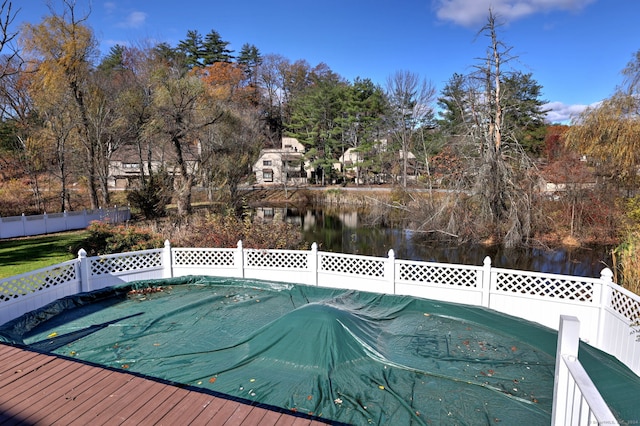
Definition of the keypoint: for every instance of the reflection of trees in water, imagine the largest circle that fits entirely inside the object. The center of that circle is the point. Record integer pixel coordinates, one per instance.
(351, 231)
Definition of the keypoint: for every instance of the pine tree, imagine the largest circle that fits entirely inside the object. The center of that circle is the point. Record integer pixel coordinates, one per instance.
(214, 49)
(193, 48)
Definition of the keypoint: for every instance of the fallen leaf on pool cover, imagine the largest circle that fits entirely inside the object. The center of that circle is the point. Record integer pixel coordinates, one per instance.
(212, 380)
(54, 334)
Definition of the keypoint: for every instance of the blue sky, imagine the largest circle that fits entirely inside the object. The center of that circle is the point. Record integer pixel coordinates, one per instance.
(575, 49)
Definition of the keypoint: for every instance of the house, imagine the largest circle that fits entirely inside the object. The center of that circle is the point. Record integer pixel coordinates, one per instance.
(126, 165)
(350, 164)
(283, 166)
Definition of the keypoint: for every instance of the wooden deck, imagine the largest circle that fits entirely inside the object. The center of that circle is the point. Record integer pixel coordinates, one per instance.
(39, 389)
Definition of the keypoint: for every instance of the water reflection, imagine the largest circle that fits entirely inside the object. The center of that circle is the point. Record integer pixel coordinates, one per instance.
(344, 231)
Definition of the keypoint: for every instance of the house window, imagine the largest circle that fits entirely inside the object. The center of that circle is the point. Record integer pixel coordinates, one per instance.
(267, 175)
(131, 166)
(266, 162)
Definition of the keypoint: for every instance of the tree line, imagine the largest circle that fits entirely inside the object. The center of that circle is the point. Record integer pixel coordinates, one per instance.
(206, 112)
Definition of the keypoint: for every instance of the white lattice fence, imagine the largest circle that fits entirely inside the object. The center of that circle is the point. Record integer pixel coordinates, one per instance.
(207, 261)
(542, 298)
(26, 292)
(451, 283)
(545, 285)
(621, 327)
(355, 272)
(203, 257)
(625, 304)
(437, 274)
(103, 271)
(352, 265)
(133, 261)
(280, 259)
(21, 285)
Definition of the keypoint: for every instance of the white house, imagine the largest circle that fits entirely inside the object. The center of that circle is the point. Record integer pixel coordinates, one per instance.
(285, 165)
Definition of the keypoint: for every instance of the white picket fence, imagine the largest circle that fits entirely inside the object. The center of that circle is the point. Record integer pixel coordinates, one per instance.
(23, 226)
(606, 312)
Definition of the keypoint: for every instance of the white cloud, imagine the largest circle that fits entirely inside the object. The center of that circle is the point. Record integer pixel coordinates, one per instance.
(562, 113)
(471, 13)
(109, 7)
(134, 20)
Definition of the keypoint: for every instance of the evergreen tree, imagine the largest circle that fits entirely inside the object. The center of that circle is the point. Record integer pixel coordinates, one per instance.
(250, 59)
(214, 49)
(361, 123)
(193, 49)
(315, 121)
(452, 103)
(114, 60)
(524, 114)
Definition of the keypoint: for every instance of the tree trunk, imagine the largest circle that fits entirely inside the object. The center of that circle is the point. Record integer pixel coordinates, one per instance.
(185, 182)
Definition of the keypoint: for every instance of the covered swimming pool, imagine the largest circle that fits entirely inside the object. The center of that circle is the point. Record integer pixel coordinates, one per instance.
(348, 356)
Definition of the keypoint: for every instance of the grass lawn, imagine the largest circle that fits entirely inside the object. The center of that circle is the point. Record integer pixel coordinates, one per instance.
(21, 255)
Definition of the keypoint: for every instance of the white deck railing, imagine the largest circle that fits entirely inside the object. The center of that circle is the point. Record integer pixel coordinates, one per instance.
(606, 311)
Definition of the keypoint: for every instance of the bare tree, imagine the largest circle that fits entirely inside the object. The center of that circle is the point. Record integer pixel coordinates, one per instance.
(8, 50)
(411, 107)
(503, 177)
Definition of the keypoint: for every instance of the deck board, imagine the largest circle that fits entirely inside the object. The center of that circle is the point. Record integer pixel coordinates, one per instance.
(38, 388)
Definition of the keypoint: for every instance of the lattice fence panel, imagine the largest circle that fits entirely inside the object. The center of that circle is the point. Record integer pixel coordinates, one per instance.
(626, 306)
(24, 284)
(204, 257)
(438, 274)
(352, 265)
(283, 260)
(546, 286)
(125, 263)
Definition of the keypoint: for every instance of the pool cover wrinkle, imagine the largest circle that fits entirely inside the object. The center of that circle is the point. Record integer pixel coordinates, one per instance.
(353, 357)
(57, 341)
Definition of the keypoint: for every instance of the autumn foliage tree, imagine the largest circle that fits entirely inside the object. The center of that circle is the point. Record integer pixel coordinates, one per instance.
(61, 50)
(609, 135)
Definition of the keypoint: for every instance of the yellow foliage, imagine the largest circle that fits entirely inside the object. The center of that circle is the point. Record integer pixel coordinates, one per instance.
(626, 262)
(610, 133)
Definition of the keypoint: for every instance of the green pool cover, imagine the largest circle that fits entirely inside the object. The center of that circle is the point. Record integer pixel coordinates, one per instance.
(345, 356)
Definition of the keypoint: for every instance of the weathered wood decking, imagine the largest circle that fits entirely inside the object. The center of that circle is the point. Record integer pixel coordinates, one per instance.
(40, 389)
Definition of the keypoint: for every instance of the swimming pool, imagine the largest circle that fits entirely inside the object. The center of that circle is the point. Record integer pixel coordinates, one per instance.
(349, 356)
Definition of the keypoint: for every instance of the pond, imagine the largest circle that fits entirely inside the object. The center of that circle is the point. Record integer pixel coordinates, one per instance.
(346, 231)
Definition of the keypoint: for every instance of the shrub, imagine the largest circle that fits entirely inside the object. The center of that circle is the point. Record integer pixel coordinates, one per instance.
(105, 238)
(226, 229)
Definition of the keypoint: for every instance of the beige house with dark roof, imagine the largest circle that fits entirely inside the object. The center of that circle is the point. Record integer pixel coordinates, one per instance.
(126, 167)
(285, 165)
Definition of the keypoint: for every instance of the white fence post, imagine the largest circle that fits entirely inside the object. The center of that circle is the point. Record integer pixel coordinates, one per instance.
(313, 264)
(606, 279)
(568, 344)
(390, 270)
(85, 272)
(239, 260)
(167, 260)
(485, 281)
